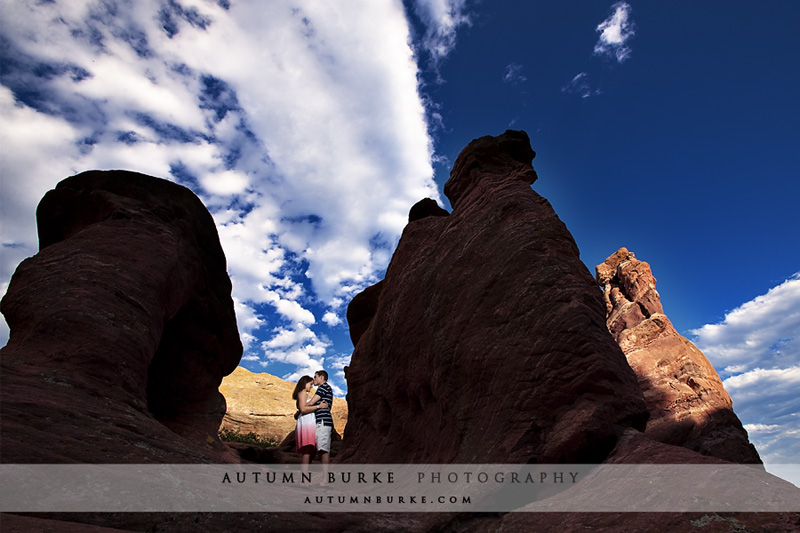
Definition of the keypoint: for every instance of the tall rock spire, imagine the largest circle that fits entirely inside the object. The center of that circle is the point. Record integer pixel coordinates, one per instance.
(122, 327)
(486, 341)
(688, 405)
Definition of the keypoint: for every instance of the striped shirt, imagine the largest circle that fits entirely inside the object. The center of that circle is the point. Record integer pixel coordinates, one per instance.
(325, 394)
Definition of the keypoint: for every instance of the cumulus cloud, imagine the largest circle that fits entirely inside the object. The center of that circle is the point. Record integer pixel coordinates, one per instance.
(23, 146)
(763, 332)
(441, 20)
(756, 349)
(300, 127)
(615, 32)
(331, 318)
(766, 402)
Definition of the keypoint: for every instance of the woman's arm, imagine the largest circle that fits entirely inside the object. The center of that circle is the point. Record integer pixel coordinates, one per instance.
(305, 408)
(314, 399)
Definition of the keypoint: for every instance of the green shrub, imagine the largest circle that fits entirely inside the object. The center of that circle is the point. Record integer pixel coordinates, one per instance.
(234, 435)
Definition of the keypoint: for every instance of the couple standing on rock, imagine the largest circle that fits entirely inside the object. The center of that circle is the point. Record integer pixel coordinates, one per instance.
(314, 420)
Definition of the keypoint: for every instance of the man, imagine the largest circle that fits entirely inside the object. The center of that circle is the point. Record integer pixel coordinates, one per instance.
(324, 418)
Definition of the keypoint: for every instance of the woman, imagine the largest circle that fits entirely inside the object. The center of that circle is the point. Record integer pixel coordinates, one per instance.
(306, 432)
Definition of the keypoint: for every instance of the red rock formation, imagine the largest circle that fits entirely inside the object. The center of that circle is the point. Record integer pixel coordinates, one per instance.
(688, 404)
(426, 208)
(361, 310)
(486, 341)
(122, 327)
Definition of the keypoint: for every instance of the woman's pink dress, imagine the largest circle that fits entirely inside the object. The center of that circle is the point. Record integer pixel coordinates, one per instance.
(306, 433)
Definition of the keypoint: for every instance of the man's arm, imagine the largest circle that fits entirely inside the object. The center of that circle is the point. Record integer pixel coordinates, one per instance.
(328, 392)
(307, 407)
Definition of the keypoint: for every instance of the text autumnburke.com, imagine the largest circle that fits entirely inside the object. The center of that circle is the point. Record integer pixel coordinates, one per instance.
(388, 500)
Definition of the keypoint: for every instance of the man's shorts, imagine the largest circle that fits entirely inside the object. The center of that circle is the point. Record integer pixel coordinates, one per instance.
(324, 438)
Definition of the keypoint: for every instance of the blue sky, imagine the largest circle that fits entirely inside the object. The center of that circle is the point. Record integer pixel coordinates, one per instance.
(309, 128)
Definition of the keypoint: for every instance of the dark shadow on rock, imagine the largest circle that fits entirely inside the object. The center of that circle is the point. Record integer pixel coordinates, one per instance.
(361, 310)
(682, 417)
(486, 340)
(426, 208)
(122, 327)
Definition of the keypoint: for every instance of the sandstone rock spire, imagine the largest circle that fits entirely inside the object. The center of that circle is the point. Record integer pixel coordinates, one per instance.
(486, 341)
(688, 405)
(122, 327)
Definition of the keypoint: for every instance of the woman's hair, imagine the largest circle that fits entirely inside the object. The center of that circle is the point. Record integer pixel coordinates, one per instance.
(301, 385)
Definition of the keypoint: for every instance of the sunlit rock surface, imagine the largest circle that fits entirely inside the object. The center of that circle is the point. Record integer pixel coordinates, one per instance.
(688, 405)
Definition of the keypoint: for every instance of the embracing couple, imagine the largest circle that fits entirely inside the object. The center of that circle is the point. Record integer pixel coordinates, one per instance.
(314, 420)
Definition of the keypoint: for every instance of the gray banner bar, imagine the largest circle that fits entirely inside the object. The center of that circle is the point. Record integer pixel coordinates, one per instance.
(394, 488)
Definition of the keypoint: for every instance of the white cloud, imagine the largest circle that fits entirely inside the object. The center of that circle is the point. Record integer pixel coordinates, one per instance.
(764, 332)
(442, 19)
(335, 369)
(290, 337)
(247, 321)
(513, 74)
(755, 428)
(301, 128)
(615, 32)
(331, 318)
(298, 347)
(224, 183)
(756, 349)
(581, 86)
(291, 309)
(33, 147)
(767, 402)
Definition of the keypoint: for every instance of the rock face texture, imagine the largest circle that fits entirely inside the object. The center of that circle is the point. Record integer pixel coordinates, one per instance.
(262, 404)
(688, 404)
(486, 341)
(122, 327)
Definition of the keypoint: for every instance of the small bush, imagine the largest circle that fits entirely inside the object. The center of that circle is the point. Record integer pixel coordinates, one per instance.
(234, 435)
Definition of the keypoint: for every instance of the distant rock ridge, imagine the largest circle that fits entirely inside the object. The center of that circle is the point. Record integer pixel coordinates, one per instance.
(122, 327)
(262, 404)
(688, 405)
(486, 340)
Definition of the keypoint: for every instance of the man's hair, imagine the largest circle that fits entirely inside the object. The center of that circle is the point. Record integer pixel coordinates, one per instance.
(322, 373)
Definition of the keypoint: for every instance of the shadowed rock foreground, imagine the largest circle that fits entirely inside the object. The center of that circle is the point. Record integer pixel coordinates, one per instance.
(486, 342)
(487, 339)
(122, 327)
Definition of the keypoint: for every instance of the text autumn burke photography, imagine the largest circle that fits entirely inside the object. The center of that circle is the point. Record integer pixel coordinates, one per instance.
(380, 478)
